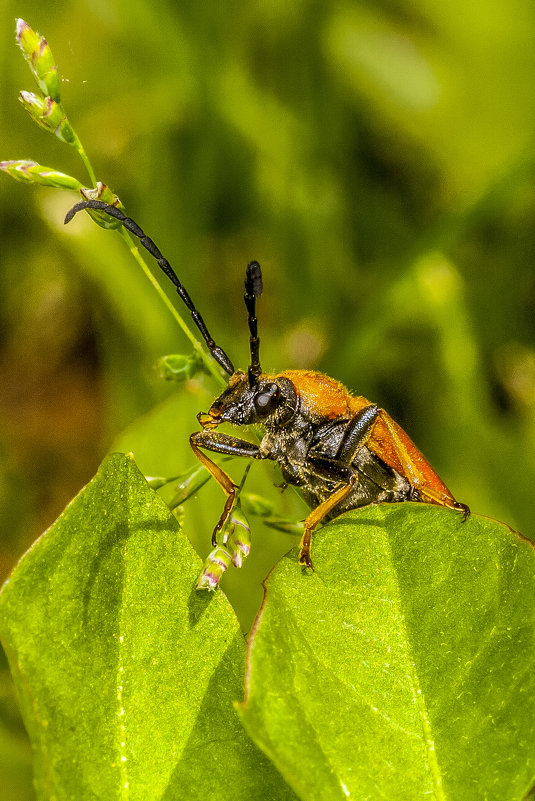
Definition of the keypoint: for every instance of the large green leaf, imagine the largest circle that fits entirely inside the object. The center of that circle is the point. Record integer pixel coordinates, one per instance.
(126, 675)
(403, 668)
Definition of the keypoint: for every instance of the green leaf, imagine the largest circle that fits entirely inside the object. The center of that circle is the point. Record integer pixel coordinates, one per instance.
(15, 750)
(125, 674)
(404, 666)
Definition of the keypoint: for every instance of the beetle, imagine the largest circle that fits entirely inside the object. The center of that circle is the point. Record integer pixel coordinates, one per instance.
(341, 450)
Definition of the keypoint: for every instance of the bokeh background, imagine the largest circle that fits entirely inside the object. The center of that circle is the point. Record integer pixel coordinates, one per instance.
(377, 158)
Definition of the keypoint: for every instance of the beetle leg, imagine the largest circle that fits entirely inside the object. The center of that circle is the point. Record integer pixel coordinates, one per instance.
(462, 507)
(357, 433)
(223, 443)
(317, 515)
(231, 446)
(329, 469)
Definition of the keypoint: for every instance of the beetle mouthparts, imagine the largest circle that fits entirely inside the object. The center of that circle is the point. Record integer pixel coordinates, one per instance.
(207, 420)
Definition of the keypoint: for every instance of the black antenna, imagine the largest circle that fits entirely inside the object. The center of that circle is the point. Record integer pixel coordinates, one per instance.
(218, 353)
(253, 289)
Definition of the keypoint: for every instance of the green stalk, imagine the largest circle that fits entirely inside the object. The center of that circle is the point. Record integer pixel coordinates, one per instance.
(47, 111)
(88, 165)
(207, 360)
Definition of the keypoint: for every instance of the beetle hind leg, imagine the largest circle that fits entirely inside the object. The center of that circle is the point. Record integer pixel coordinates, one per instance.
(317, 515)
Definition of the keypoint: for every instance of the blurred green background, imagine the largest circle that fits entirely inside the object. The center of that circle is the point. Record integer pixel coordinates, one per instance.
(377, 159)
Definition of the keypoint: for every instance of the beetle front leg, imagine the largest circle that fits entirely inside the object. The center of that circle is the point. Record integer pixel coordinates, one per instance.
(230, 446)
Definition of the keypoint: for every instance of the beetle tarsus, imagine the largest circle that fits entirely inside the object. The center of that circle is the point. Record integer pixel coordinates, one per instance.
(305, 560)
(464, 509)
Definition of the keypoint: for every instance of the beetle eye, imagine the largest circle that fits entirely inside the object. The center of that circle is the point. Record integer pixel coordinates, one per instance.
(267, 400)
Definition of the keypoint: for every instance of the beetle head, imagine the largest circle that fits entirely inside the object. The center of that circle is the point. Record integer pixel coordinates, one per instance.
(270, 401)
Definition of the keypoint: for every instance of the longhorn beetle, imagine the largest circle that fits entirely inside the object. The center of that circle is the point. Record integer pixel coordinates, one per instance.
(342, 451)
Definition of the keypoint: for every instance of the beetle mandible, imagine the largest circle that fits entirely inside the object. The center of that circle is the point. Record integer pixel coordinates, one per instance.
(342, 451)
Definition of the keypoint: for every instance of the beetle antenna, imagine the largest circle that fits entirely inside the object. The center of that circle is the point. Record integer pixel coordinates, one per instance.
(218, 353)
(253, 290)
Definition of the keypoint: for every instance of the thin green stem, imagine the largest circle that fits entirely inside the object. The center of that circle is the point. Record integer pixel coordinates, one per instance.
(207, 360)
(88, 165)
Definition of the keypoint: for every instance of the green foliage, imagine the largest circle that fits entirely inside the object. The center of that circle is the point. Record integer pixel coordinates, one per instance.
(126, 675)
(400, 668)
(403, 667)
(377, 159)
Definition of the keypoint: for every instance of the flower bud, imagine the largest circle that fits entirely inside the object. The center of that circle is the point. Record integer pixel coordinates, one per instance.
(31, 172)
(217, 562)
(49, 115)
(238, 541)
(40, 59)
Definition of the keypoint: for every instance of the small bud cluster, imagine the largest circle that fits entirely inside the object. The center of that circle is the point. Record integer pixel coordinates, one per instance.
(40, 59)
(234, 541)
(46, 108)
(233, 549)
